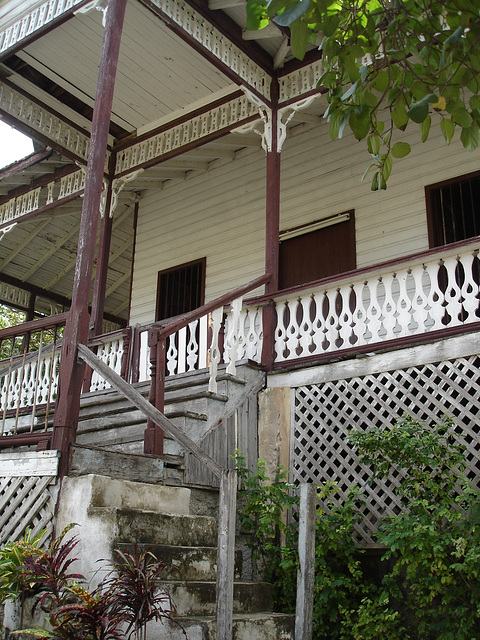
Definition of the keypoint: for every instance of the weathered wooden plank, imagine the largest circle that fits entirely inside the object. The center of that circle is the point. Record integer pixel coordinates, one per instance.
(116, 464)
(225, 553)
(29, 463)
(144, 405)
(306, 567)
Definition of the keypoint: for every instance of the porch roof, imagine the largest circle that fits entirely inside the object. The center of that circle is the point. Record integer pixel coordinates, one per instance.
(178, 61)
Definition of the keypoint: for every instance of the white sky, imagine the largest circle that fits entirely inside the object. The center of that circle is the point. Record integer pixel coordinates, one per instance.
(13, 145)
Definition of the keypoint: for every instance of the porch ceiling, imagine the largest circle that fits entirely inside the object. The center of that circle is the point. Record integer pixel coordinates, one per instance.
(158, 73)
(162, 75)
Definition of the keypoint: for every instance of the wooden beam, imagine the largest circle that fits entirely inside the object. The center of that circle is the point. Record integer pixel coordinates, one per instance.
(254, 67)
(26, 241)
(26, 163)
(207, 124)
(227, 504)
(52, 251)
(50, 295)
(224, 4)
(71, 265)
(77, 327)
(306, 566)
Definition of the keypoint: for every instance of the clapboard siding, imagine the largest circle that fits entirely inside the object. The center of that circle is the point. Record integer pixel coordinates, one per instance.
(220, 214)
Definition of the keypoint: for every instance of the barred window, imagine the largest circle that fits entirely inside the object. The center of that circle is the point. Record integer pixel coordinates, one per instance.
(453, 209)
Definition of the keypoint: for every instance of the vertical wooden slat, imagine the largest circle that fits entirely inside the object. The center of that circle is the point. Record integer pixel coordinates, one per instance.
(306, 557)
(225, 554)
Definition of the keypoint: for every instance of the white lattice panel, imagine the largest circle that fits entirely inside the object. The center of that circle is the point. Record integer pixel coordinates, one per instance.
(323, 415)
(26, 502)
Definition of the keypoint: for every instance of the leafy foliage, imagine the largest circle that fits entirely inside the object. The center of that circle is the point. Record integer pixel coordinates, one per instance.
(273, 542)
(127, 599)
(388, 64)
(434, 544)
(430, 589)
(12, 558)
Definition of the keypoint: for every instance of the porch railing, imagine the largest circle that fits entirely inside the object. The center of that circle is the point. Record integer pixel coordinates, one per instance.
(29, 374)
(437, 291)
(195, 339)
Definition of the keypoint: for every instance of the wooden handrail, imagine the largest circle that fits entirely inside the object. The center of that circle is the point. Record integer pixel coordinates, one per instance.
(166, 328)
(456, 248)
(148, 409)
(33, 325)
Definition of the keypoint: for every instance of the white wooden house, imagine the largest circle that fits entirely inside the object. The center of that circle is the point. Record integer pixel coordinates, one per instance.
(213, 169)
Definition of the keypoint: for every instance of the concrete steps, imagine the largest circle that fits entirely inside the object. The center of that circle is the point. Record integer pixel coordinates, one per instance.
(116, 514)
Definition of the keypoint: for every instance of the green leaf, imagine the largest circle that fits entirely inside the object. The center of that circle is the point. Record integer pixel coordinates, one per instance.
(418, 112)
(401, 149)
(373, 144)
(399, 114)
(256, 16)
(359, 122)
(289, 16)
(470, 137)
(425, 128)
(299, 38)
(329, 26)
(462, 117)
(381, 81)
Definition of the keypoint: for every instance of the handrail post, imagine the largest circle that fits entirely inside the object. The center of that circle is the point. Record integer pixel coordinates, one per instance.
(226, 553)
(153, 435)
(268, 323)
(306, 566)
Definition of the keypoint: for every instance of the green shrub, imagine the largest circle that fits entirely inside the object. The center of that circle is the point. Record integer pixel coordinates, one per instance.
(431, 587)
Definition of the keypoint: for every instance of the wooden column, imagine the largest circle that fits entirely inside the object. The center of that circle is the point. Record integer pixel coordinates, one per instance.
(77, 326)
(306, 567)
(272, 233)
(100, 285)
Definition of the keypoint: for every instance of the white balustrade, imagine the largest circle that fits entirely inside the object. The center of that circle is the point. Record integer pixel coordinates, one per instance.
(404, 300)
(110, 351)
(187, 348)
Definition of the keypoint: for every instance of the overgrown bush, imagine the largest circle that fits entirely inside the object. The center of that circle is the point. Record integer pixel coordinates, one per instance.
(121, 606)
(431, 587)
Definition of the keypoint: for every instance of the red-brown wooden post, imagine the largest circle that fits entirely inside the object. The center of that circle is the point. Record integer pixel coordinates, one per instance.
(77, 326)
(272, 233)
(153, 435)
(100, 284)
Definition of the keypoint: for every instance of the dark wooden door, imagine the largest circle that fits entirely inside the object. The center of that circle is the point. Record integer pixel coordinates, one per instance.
(318, 254)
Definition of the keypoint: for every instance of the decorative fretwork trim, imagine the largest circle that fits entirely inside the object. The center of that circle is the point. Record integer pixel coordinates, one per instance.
(13, 295)
(36, 199)
(37, 117)
(221, 118)
(216, 44)
(33, 21)
(300, 82)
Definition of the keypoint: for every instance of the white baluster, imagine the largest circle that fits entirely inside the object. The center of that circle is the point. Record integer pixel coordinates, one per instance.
(182, 350)
(215, 322)
(232, 336)
(192, 346)
(172, 355)
(203, 342)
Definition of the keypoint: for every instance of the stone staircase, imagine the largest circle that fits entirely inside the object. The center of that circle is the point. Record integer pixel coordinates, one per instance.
(114, 514)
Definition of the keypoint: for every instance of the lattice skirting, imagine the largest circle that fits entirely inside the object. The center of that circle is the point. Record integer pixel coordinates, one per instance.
(324, 413)
(26, 502)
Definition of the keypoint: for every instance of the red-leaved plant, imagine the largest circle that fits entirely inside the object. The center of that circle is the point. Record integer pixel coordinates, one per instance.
(121, 606)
